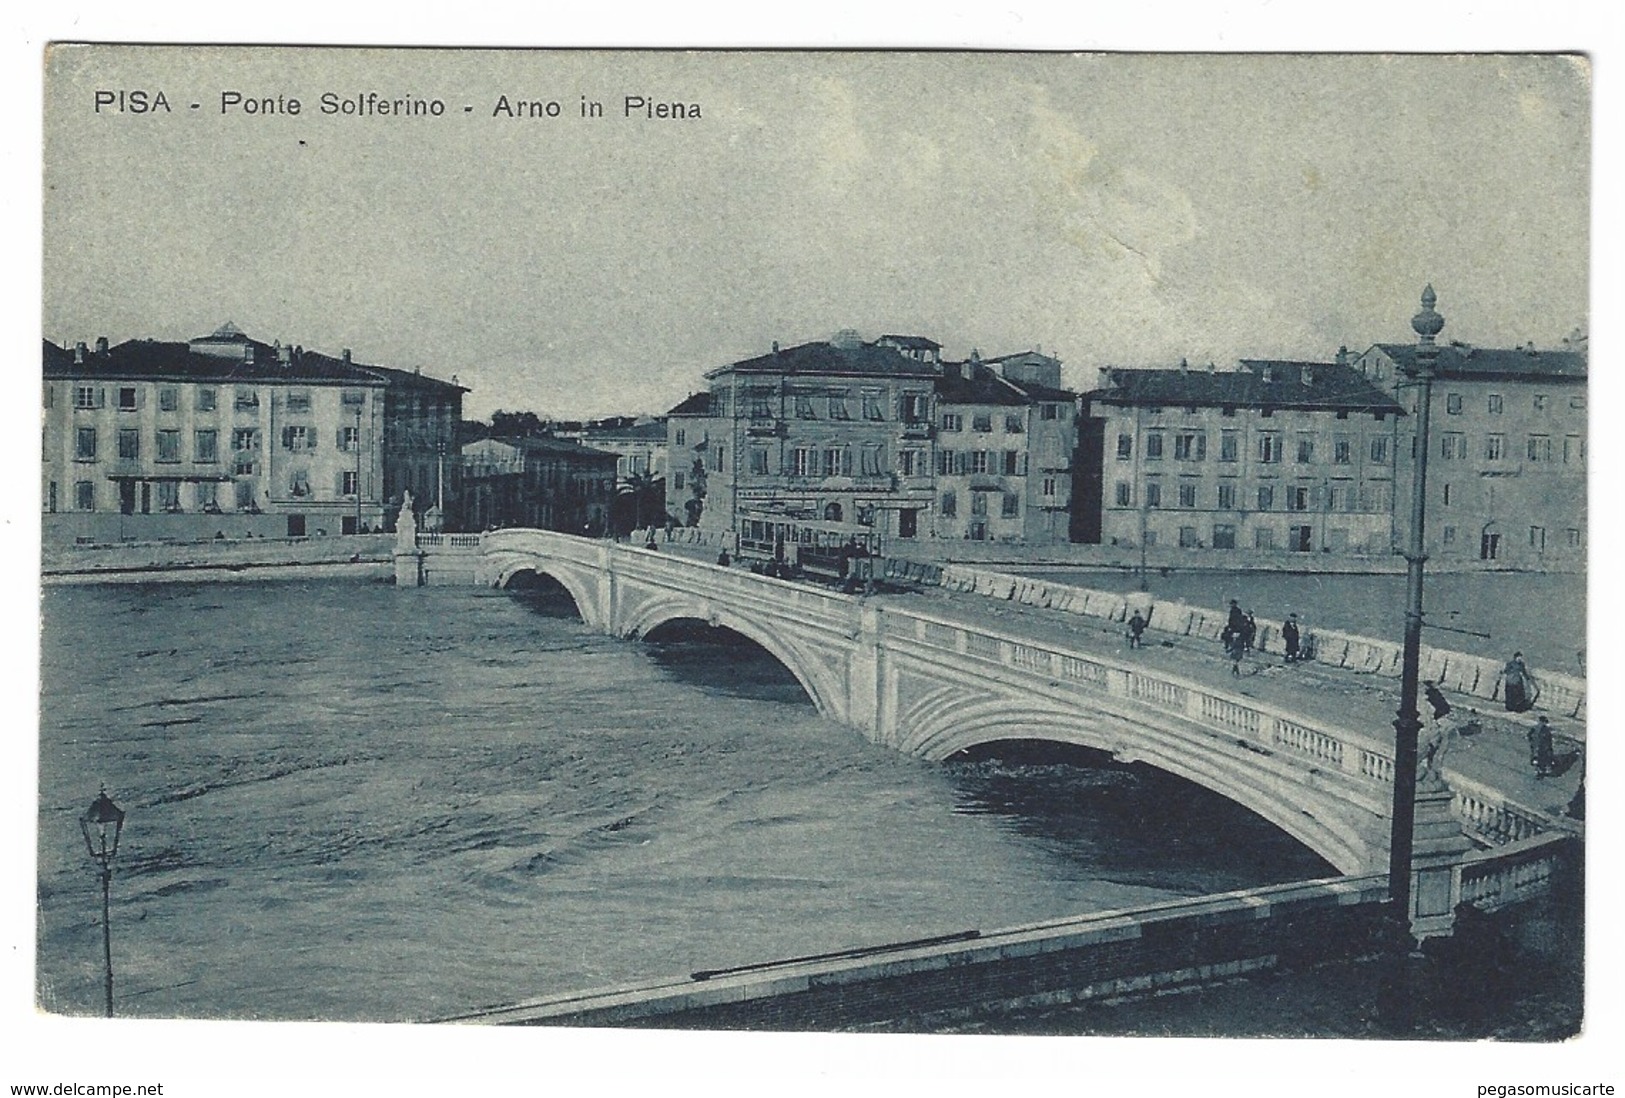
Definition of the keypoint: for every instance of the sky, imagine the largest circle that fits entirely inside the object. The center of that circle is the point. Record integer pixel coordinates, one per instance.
(1111, 209)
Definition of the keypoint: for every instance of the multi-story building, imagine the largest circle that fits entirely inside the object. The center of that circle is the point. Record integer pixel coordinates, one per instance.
(1006, 436)
(227, 435)
(837, 431)
(542, 483)
(1507, 468)
(1295, 456)
(640, 443)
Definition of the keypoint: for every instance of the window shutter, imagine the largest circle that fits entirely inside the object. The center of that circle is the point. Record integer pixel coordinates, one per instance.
(101, 397)
(339, 438)
(310, 438)
(338, 484)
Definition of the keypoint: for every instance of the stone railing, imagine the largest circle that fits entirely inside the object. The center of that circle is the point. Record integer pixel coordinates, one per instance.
(1487, 815)
(1458, 672)
(448, 541)
(1491, 879)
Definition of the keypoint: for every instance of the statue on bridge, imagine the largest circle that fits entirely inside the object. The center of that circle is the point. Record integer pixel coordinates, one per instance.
(406, 525)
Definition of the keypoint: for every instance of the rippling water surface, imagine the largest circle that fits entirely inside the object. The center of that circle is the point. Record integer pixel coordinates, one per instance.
(351, 802)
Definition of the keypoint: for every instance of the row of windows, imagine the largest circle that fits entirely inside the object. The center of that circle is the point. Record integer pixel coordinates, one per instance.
(1224, 537)
(833, 461)
(1270, 447)
(1010, 463)
(1495, 404)
(1537, 448)
(1537, 539)
(165, 494)
(1009, 506)
(1188, 495)
(205, 443)
(204, 398)
(835, 405)
(1014, 423)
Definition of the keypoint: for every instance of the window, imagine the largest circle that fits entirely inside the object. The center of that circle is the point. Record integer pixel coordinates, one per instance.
(1574, 449)
(1495, 404)
(978, 461)
(1379, 450)
(169, 495)
(1452, 404)
(169, 446)
(127, 399)
(1187, 538)
(84, 444)
(837, 406)
(677, 481)
(1125, 447)
(1342, 450)
(1495, 447)
(86, 396)
(1306, 449)
(1540, 402)
(801, 462)
(871, 406)
(1449, 535)
(1010, 466)
(978, 503)
(1049, 411)
(243, 465)
(1266, 497)
(206, 399)
(348, 482)
(953, 421)
(1540, 448)
(1227, 497)
(208, 496)
(1452, 446)
(1153, 494)
(1269, 448)
(349, 439)
(1537, 538)
(1229, 445)
(1297, 497)
(297, 438)
(909, 463)
(1153, 446)
(1125, 493)
(1012, 505)
(206, 447)
(354, 398)
(1187, 495)
(1263, 538)
(1013, 425)
(169, 398)
(247, 398)
(298, 401)
(1190, 446)
(129, 444)
(1049, 488)
(245, 496)
(299, 483)
(1375, 497)
(950, 505)
(84, 495)
(758, 461)
(1447, 495)
(1224, 536)
(245, 438)
(1573, 537)
(681, 439)
(982, 421)
(1577, 403)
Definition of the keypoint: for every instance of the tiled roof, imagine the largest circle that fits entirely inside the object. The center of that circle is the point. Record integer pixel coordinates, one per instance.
(913, 343)
(147, 359)
(976, 383)
(1461, 360)
(696, 404)
(1329, 386)
(827, 359)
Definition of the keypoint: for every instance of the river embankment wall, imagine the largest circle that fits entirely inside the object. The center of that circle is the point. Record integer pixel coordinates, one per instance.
(364, 556)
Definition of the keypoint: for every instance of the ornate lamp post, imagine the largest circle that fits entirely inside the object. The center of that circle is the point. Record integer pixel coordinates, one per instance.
(1427, 324)
(101, 824)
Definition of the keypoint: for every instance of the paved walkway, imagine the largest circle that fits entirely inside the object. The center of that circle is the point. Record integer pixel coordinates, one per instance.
(1497, 757)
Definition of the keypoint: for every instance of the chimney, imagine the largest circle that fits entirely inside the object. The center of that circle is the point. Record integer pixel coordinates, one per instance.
(1108, 378)
(1308, 374)
(1267, 374)
(1211, 368)
(1343, 356)
(775, 346)
(101, 345)
(79, 353)
(284, 355)
(1184, 366)
(346, 356)
(248, 353)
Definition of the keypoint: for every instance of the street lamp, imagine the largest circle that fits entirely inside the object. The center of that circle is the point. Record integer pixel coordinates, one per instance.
(358, 469)
(1427, 324)
(101, 824)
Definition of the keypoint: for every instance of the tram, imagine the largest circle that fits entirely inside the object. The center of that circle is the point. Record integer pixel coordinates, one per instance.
(830, 550)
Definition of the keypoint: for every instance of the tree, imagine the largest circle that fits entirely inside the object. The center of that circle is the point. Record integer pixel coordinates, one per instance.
(516, 425)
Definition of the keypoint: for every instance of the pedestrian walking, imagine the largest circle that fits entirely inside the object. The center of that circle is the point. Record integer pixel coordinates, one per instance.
(1290, 637)
(1237, 650)
(1249, 631)
(1237, 622)
(1540, 747)
(1518, 688)
(1441, 707)
(1136, 629)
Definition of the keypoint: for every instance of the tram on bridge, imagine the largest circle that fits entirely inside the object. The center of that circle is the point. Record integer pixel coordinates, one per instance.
(829, 550)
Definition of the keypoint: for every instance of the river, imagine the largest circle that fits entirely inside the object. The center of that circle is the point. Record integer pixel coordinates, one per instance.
(355, 803)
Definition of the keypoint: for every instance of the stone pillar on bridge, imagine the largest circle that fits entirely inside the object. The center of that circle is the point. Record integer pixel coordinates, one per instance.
(1436, 850)
(408, 556)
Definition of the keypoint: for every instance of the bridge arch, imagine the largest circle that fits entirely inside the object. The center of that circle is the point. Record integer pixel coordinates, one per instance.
(946, 722)
(581, 585)
(825, 691)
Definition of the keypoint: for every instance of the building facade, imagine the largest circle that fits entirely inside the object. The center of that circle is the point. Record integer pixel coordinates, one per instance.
(1506, 476)
(1006, 436)
(226, 435)
(640, 443)
(540, 483)
(1287, 456)
(838, 431)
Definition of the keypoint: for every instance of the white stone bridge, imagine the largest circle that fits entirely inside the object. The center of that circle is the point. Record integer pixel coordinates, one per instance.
(916, 679)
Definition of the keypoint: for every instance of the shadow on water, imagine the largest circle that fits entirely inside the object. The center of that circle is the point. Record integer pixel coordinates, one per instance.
(543, 595)
(1131, 820)
(721, 661)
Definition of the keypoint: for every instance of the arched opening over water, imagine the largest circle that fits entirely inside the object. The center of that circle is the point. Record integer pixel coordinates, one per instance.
(723, 660)
(542, 594)
(1131, 821)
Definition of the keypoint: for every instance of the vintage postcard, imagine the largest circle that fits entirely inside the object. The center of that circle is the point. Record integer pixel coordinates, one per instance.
(886, 542)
